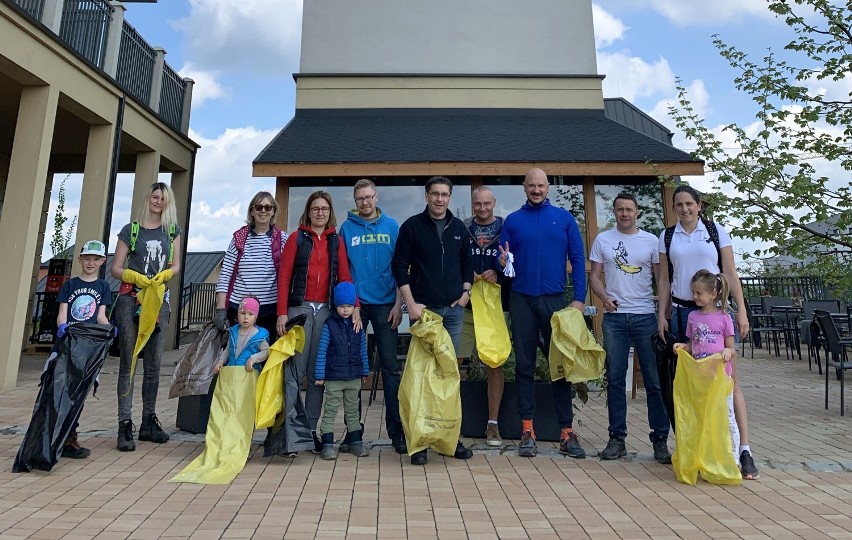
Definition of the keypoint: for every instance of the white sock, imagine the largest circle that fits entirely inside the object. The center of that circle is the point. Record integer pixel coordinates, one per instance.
(492, 422)
(745, 448)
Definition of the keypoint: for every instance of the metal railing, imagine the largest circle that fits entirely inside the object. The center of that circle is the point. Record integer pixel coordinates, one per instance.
(810, 287)
(171, 97)
(34, 7)
(199, 304)
(85, 25)
(135, 64)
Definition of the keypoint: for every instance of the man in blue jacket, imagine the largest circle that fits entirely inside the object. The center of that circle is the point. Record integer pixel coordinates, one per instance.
(433, 269)
(370, 237)
(541, 237)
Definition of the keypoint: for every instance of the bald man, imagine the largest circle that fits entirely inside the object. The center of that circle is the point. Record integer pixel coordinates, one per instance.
(541, 238)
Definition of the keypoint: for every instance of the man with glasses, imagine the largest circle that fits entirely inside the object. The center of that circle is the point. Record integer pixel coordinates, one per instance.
(541, 237)
(433, 269)
(370, 237)
(629, 259)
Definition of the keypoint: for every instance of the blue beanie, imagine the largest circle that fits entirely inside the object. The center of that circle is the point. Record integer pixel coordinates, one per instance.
(344, 293)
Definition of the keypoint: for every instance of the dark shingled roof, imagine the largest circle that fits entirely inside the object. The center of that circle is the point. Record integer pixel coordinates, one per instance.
(462, 135)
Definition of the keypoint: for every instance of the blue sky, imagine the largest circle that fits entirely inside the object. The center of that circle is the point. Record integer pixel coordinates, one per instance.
(242, 54)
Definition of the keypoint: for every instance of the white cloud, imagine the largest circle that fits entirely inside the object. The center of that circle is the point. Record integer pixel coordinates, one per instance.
(258, 35)
(702, 12)
(698, 97)
(608, 28)
(631, 76)
(207, 87)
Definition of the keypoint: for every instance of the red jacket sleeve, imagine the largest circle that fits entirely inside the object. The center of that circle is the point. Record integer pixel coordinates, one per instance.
(285, 272)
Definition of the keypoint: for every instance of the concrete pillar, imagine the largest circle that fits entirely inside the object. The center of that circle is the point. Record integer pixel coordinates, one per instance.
(93, 199)
(183, 197)
(51, 15)
(147, 172)
(19, 222)
(42, 230)
(157, 78)
(186, 107)
(113, 42)
(282, 195)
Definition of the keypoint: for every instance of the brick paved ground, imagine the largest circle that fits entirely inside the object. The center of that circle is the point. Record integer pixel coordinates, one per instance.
(804, 451)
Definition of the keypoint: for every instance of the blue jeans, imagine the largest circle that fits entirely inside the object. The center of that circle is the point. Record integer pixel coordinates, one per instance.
(531, 316)
(453, 318)
(619, 330)
(386, 342)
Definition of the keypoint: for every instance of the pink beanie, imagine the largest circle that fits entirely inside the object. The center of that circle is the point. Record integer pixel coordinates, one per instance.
(251, 304)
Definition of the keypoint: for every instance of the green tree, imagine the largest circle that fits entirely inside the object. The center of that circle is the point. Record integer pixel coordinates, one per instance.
(768, 181)
(61, 239)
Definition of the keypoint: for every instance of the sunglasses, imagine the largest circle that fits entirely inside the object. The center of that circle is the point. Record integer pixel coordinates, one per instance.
(263, 208)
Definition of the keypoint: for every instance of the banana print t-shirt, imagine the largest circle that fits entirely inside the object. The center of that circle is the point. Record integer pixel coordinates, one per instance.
(627, 260)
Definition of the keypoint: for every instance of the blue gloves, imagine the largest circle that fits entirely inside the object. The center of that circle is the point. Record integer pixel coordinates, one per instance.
(60, 332)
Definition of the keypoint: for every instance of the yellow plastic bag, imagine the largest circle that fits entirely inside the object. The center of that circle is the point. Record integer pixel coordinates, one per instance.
(429, 398)
(151, 299)
(269, 398)
(229, 430)
(492, 336)
(574, 353)
(703, 434)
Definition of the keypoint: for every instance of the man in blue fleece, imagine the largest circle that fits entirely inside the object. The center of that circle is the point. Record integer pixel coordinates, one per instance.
(541, 238)
(370, 237)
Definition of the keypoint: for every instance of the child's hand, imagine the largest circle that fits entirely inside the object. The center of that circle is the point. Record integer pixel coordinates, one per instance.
(727, 354)
(218, 366)
(679, 346)
(319, 383)
(250, 364)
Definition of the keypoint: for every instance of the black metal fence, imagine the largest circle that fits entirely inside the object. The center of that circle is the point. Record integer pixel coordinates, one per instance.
(171, 97)
(34, 7)
(809, 287)
(199, 304)
(135, 64)
(85, 25)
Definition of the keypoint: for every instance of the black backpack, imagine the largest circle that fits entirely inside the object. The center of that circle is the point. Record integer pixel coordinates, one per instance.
(714, 236)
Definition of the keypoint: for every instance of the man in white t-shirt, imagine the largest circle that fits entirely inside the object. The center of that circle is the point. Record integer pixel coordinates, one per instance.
(629, 259)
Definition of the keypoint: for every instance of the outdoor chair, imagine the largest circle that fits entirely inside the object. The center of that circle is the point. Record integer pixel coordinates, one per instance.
(835, 351)
(759, 323)
(780, 307)
(807, 332)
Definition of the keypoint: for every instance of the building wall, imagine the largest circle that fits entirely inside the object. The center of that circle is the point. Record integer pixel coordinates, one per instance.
(473, 37)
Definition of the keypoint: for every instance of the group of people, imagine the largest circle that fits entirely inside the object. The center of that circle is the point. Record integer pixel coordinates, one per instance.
(344, 278)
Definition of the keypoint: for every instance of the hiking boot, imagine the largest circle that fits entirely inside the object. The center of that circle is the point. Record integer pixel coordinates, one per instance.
(398, 443)
(747, 466)
(661, 452)
(344, 444)
(359, 449)
(152, 430)
(527, 447)
(73, 450)
(125, 436)
(462, 452)
(328, 452)
(419, 458)
(570, 446)
(614, 450)
(492, 436)
(317, 443)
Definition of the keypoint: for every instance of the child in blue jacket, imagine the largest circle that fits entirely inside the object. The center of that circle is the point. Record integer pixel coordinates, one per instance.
(341, 367)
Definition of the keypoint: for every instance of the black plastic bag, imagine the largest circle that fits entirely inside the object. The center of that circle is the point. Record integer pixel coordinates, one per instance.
(194, 372)
(666, 368)
(65, 383)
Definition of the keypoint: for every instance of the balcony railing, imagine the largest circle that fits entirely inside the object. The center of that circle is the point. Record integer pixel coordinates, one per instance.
(97, 31)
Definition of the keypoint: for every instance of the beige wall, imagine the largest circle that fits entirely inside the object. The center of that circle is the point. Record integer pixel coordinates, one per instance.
(343, 92)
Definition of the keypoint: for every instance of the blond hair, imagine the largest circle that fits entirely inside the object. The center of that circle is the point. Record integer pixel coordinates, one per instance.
(169, 215)
(717, 283)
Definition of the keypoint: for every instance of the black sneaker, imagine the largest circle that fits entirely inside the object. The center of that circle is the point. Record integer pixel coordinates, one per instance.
(747, 466)
(570, 446)
(614, 449)
(398, 443)
(317, 443)
(73, 450)
(661, 452)
(152, 430)
(125, 437)
(462, 452)
(527, 447)
(419, 458)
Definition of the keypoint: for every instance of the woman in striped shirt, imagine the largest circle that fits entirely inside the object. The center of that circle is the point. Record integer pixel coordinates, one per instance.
(251, 266)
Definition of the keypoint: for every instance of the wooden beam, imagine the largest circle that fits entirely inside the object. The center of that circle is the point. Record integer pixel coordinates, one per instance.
(282, 195)
(472, 169)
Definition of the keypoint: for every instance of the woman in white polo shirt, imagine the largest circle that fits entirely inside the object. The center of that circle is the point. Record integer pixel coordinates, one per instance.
(692, 249)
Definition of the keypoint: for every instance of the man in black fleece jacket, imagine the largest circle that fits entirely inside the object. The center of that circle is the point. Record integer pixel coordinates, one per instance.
(434, 269)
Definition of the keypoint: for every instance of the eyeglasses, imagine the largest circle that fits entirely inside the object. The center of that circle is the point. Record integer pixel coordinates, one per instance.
(321, 210)
(365, 199)
(263, 208)
(439, 195)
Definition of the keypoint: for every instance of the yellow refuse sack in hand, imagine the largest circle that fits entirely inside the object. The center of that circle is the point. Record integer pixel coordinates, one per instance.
(151, 298)
(229, 430)
(269, 398)
(492, 336)
(703, 434)
(429, 398)
(574, 353)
